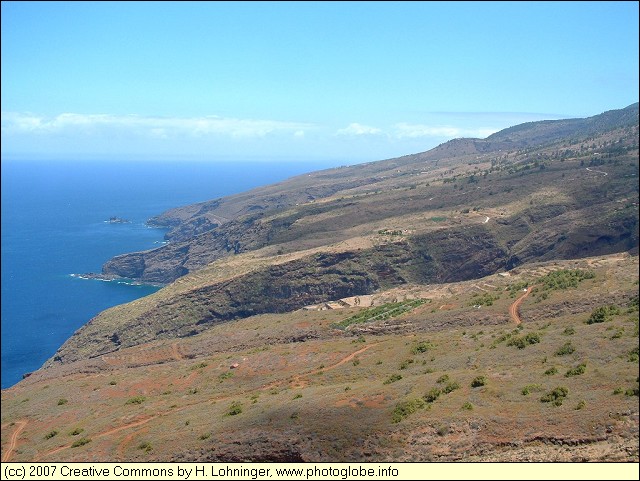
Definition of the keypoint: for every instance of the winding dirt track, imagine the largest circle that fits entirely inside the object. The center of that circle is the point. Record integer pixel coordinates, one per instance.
(129, 437)
(20, 425)
(514, 308)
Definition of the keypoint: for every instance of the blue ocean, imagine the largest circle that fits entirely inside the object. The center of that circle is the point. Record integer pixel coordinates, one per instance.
(53, 225)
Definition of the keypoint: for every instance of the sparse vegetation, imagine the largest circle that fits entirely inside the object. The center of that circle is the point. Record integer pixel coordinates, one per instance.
(531, 388)
(393, 378)
(565, 278)
(421, 347)
(556, 397)
(576, 371)
(479, 381)
(380, 313)
(602, 314)
(566, 349)
(136, 400)
(524, 341)
(234, 409)
(80, 442)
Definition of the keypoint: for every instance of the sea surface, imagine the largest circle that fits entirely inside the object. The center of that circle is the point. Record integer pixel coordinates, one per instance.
(53, 225)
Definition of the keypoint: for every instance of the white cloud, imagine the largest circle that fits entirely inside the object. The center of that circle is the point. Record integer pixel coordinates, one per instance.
(359, 129)
(408, 131)
(162, 127)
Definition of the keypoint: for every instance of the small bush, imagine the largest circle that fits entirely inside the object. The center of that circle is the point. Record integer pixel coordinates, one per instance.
(198, 366)
(422, 346)
(405, 408)
(76, 431)
(531, 388)
(566, 349)
(581, 405)
(432, 395)
(62, 401)
(113, 383)
(618, 390)
(51, 434)
(393, 378)
(297, 396)
(145, 446)
(633, 355)
(551, 371)
(450, 387)
(569, 331)
(602, 314)
(81, 442)
(405, 364)
(136, 400)
(576, 371)
(442, 379)
(479, 381)
(234, 409)
(225, 375)
(467, 406)
(524, 341)
(205, 436)
(556, 396)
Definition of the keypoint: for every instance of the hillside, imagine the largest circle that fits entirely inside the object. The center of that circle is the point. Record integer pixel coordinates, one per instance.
(452, 379)
(406, 220)
(475, 302)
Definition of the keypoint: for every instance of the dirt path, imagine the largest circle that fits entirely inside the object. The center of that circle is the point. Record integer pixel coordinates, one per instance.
(297, 380)
(514, 308)
(129, 437)
(20, 425)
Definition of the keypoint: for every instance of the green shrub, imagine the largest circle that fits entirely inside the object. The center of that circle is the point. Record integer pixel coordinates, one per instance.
(432, 395)
(145, 446)
(602, 314)
(422, 346)
(76, 431)
(198, 366)
(405, 408)
(576, 371)
(566, 349)
(136, 400)
(405, 364)
(569, 331)
(81, 442)
(452, 386)
(393, 378)
(62, 401)
(524, 341)
(442, 379)
(234, 409)
(297, 396)
(618, 390)
(581, 405)
(633, 355)
(467, 406)
(479, 381)
(556, 396)
(531, 388)
(551, 371)
(205, 436)
(51, 434)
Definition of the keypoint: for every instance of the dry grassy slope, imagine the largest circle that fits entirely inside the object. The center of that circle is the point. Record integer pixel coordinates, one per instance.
(440, 232)
(308, 392)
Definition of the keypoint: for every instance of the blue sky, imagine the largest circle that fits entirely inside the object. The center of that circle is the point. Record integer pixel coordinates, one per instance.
(353, 81)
